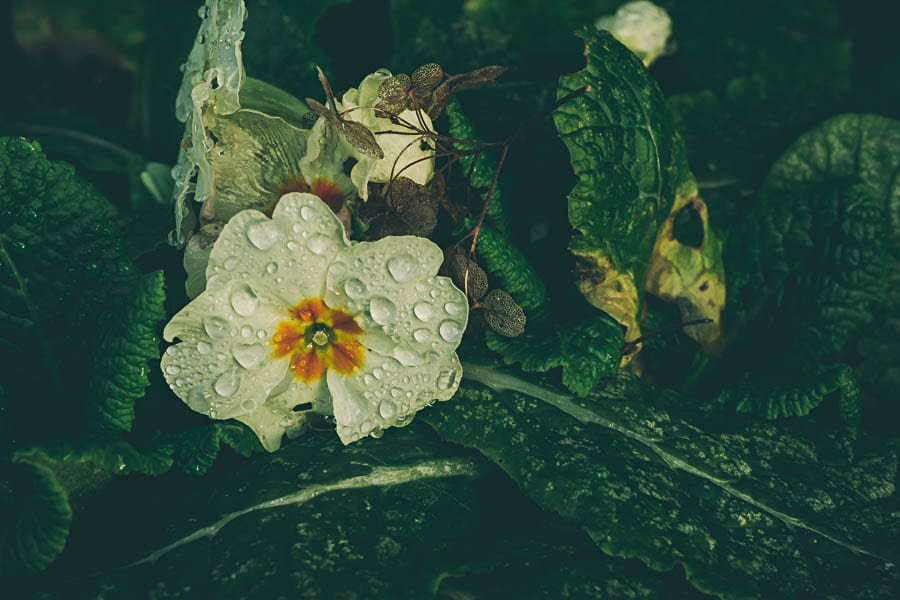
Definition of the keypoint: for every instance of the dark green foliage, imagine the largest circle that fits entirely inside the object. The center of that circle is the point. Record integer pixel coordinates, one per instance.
(752, 513)
(480, 168)
(825, 237)
(509, 269)
(36, 518)
(197, 449)
(587, 352)
(798, 395)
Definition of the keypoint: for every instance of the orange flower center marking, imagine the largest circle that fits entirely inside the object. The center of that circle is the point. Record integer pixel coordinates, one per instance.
(318, 338)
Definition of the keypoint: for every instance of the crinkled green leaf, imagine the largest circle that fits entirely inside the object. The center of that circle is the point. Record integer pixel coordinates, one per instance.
(196, 449)
(69, 302)
(796, 394)
(879, 343)
(479, 167)
(630, 165)
(754, 512)
(509, 269)
(827, 225)
(119, 370)
(587, 351)
(36, 519)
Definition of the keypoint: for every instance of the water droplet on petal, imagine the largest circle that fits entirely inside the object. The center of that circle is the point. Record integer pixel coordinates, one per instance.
(196, 399)
(422, 335)
(216, 327)
(450, 331)
(173, 370)
(387, 409)
(250, 356)
(307, 213)
(293, 245)
(230, 263)
(272, 268)
(446, 379)
(408, 357)
(383, 311)
(402, 267)
(297, 227)
(263, 234)
(244, 300)
(424, 311)
(246, 331)
(227, 383)
(354, 288)
(203, 348)
(319, 244)
(248, 405)
(455, 308)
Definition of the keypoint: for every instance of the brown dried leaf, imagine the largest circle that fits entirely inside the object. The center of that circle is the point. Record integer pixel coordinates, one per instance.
(502, 314)
(361, 138)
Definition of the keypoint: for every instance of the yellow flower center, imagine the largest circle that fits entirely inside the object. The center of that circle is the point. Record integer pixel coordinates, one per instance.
(318, 338)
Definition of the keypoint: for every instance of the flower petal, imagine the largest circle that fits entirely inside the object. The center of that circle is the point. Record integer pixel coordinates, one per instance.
(405, 311)
(277, 417)
(386, 394)
(286, 256)
(223, 366)
(254, 158)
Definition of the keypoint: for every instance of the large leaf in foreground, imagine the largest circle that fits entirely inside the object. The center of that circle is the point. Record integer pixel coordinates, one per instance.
(748, 513)
(631, 173)
(385, 518)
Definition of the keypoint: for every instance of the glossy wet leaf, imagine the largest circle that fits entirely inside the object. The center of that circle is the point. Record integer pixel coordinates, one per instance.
(749, 512)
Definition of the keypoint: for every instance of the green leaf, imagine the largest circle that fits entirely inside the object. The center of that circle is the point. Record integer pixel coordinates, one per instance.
(795, 395)
(630, 166)
(36, 519)
(826, 229)
(119, 372)
(196, 449)
(480, 167)
(587, 352)
(383, 518)
(77, 321)
(510, 270)
(748, 513)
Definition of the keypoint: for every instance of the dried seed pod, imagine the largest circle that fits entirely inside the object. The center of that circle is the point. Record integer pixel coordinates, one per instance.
(414, 205)
(323, 111)
(502, 314)
(361, 138)
(393, 97)
(465, 273)
(426, 77)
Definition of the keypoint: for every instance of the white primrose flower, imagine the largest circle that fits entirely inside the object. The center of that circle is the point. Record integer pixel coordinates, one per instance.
(642, 27)
(296, 320)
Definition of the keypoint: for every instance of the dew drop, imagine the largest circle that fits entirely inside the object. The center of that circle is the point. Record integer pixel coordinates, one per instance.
(368, 379)
(446, 379)
(246, 331)
(450, 331)
(216, 327)
(248, 405)
(213, 413)
(402, 267)
(250, 356)
(227, 383)
(408, 357)
(173, 370)
(272, 268)
(262, 334)
(307, 213)
(179, 382)
(230, 263)
(319, 244)
(424, 311)
(387, 409)
(455, 308)
(244, 300)
(263, 235)
(422, 335)
(383, 311)
(377, 433)
(203, 348)
(196, 399)
(172, 350)
(378, 372)
(297, 227)
(293, 245)
(354, 288)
